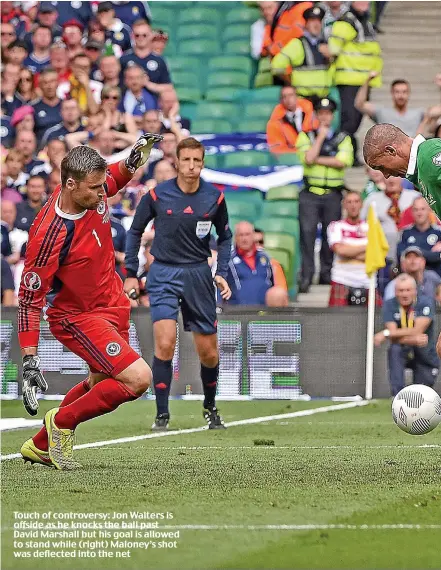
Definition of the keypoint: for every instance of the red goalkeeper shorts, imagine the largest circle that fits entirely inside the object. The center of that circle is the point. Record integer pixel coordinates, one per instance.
(100, 337)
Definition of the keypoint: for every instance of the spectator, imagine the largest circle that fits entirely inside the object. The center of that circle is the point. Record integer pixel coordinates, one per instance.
(333, 12)
(119, 240)
(48, 107)
(308, 58)
(115, 120)
(268, 10)
(389, 205)
(59, 61)
(278, 273)
(17, 52)
(423, 234)
(39, 58)
(159, 42)
(85, 91)
(14, 165)
(10, 78)
(288, 119)
(70, 122)
(168, 147)
(23, 119)
(130, 12)
(152, 122)
(376, 182)
(27, 210)
(8, 192)
(250, 276)
(93, 50)
(25, 87)
(56, 151)
(348, 240)
(116, 32)
(288, 23)
(137, 99)
(6, 249)
(81, 11)
(53, 181)
(17, 237)
(163, 170)
(7, 285)
(169, 105)
(110, 70)
(8, 35)
(352, 36)
(47, 16)
(72, 37)
(408, 120)
(325, 154)
(413, 263)
(157, 75)
(6, 130)
(26, 144)
(408, 321)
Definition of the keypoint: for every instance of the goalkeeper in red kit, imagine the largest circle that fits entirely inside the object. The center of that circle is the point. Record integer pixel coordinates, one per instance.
(70, 271)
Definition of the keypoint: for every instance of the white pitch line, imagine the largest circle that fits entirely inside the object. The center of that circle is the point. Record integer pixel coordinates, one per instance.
(300, 413)
(292, 447)
(302, 527)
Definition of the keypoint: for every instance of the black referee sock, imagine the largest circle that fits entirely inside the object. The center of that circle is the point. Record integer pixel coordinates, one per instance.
(209, 378)
(162, 377)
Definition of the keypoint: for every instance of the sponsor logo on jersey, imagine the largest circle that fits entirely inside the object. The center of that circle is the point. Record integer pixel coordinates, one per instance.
(411, 239)
(31, 281)
(432, 239)
(203, 229)
(437, 159)
(263, 261)
(426, 311)
(152, 65)
(113, 349)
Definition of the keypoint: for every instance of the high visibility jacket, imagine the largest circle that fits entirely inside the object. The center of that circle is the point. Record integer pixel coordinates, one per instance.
(322, 179)
(288, 23)
(282, 133)
(311, 73)
(357, 52)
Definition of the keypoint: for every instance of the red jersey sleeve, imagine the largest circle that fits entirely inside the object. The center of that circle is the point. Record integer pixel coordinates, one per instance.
(41, 264)
(115, 181)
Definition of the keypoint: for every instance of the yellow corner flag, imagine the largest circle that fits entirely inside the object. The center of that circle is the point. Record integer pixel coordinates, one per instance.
(377, 246)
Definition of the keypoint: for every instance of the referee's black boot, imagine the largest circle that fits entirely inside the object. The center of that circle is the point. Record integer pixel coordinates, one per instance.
(213, 418)
(161, 422)
(304, 286)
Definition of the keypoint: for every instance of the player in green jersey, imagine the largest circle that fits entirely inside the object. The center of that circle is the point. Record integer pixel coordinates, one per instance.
(388, 149)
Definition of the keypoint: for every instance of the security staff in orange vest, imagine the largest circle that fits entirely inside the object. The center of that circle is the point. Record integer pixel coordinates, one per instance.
(288, 119)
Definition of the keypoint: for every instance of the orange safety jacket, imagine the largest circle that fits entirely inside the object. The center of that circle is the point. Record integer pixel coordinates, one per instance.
(288, 23)
(282, 135)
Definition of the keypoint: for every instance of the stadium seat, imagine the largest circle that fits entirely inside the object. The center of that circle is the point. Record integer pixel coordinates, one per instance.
(200, 47)
(288, 159)
(280, 241)
(211, 161)
(233, 223)
(239, 47)
(289, 192)
(178, 63)
(286, 260)
(228, 79)
(226, 94)
(247, 158)
(196, 31)
(250, 126)
(258, 111)
(232, 63)
(235, 32)
(243, 210)
(196, 14)
(278, 225)
(281, 208)
(188, 107)
(185, 79)
(242, 14)
(162, 14)
(248, 196)
(205, 126)
(216, 110)
(265, 94)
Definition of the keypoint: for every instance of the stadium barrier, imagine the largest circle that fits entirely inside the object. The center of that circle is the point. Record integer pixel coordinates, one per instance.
(268, 354)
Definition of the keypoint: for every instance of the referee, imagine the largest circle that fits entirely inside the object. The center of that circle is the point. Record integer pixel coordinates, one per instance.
(184, 209)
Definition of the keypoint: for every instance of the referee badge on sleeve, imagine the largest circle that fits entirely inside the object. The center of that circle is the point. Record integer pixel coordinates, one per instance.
(203, 229)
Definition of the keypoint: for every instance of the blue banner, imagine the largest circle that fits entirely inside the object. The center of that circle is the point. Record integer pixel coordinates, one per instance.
(225, 143)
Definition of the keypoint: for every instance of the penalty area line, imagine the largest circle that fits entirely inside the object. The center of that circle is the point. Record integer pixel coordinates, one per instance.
(248, 421)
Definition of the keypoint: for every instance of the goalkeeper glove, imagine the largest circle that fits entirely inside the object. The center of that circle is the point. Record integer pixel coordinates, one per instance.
(141, 151)
(33, 380)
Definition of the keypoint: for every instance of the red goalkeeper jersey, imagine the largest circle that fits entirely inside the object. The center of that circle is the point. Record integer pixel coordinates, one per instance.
(70, 263)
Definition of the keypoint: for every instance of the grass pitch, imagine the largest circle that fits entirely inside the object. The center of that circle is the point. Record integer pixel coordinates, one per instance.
(350, 476)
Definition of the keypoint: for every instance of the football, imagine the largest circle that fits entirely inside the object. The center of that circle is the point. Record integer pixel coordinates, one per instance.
(417, 409)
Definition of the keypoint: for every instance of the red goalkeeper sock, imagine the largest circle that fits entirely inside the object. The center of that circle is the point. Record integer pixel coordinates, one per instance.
(40, 439)
(103, 398)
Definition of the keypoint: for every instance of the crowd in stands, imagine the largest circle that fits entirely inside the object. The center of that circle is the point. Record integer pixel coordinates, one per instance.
(97, 73)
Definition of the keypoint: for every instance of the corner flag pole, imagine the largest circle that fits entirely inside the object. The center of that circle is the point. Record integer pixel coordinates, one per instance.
(370, 337)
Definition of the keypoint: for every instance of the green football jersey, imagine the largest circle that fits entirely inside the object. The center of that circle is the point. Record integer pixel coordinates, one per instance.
(424, 170)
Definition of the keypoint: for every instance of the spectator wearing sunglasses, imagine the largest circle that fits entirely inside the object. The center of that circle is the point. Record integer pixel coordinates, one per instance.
(8, 35)
(115, 119)
(157, 74)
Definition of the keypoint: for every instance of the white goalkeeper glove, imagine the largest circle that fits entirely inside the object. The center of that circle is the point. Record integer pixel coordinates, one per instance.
(141, 151)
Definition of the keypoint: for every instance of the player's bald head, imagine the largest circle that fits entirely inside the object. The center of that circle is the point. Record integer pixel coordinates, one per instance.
(80, 162)
(387, 148)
